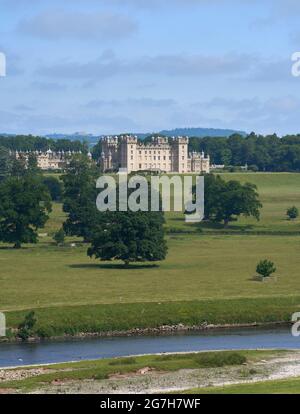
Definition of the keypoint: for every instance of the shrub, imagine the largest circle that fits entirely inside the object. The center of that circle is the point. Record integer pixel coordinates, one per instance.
(26, 327)
(219, 359)
(292, 213)
(265, 268)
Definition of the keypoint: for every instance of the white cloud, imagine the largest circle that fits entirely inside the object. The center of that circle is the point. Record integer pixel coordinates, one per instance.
(277, 114)
(170, 65)
(60, 24)
(132, 102)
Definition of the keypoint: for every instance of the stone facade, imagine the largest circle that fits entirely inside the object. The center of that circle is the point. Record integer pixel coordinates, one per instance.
(49, 160)
(162, 155)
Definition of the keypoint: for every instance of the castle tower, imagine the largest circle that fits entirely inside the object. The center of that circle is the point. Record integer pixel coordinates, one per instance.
(109, 156)
(128, 153)
(180, 154)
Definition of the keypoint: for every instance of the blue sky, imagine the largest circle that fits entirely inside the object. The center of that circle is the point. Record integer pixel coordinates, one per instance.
(110, 66)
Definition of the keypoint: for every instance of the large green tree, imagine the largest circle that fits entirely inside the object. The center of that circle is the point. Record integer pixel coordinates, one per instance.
(226, 201)
(129, 236)
(24, 207)
(79, 197)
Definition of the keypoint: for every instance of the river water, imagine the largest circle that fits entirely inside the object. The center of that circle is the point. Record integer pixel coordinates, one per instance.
(15, 354)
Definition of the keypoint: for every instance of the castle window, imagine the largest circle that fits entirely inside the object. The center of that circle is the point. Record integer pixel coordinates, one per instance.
(140, 166)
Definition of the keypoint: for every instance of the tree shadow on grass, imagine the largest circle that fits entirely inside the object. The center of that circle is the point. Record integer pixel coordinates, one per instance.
(255, 278)
(176, 218)
(133, 266)
(210, 225)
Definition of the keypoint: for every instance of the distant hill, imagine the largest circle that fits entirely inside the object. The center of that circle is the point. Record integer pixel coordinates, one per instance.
(77, 136)
(201, 132)
(188, 132)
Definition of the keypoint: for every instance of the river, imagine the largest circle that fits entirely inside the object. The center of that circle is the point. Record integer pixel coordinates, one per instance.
(15, 354)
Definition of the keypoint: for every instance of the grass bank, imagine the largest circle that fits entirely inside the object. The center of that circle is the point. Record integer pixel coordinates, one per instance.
(118, 318)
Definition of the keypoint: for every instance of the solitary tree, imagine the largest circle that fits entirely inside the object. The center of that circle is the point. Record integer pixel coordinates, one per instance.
(292, 213)
(265, 268)
(129, 236)
(24, 207)
(226, 201)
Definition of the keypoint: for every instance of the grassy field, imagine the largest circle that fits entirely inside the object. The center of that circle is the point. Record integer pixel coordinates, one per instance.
(197, 267)
(277, 191)
(202, 273)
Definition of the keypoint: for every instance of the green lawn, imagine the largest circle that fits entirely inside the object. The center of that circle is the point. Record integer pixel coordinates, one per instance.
(202, 273)
(205, 278)
(277, 192)
(197, 267)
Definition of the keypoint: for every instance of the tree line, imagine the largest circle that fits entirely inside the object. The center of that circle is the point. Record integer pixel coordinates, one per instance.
(25, 204)
(36, 143)
(26, 198)
(258, 152)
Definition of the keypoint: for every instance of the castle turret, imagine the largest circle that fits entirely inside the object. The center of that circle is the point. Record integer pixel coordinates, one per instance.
(180, 154)
(128, 153)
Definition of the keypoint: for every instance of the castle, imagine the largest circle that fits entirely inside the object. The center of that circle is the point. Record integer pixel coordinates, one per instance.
(49, 160)
(161, 155)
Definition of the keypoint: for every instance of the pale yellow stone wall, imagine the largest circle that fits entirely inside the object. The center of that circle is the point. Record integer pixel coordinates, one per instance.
(126, 152)
(48, 160)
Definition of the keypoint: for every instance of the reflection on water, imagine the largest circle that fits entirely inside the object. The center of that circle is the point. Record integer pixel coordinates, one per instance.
(94, 348)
